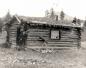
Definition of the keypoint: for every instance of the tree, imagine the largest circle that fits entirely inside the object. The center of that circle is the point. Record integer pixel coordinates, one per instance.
(74, 20)
(85, 23)
(7, 17)
(1, 24)
(52, 14)
(62, 15)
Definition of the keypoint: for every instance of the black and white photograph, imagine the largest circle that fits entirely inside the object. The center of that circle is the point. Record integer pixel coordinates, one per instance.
(42, 34)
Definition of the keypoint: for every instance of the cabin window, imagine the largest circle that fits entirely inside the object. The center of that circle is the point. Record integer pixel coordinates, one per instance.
(55, 34)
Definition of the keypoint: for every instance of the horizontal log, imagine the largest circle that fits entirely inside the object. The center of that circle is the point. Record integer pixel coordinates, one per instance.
(53, 45)
(13, 36)
(62, 45)
(34, 39)
(14, 27)
(12, 33)
(38, 32)
(34, 47)
(63, 40)
(60, 42)
(37, 37)
(55, 42)
(35, 44)
(12, 30)
(12, 39)
(41, 44)
(49, 45)
(69, 37)
(69, 34)
(30, 35)
(38, 29)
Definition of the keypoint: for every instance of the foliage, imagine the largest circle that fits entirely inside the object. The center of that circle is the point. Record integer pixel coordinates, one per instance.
(1, 24)
(52, 13)
(7, 17)
(62, 15)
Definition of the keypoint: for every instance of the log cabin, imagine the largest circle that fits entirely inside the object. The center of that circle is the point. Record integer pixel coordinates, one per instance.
(45, 33)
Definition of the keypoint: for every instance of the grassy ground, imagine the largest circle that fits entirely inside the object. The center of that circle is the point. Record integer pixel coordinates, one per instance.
(71, 58)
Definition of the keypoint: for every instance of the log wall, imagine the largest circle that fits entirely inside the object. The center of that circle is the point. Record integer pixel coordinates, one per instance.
(12, 33)
(69, 38)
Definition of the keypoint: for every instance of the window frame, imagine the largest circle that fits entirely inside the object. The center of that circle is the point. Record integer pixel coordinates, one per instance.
(59, 37)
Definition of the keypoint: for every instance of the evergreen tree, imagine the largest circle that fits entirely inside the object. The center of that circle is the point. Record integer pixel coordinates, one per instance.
(52, 14)
(85, 23)
(7, 17)
(1, 24)
(62, 15)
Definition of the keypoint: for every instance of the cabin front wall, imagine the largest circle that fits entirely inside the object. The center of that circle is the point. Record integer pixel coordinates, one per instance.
(47, 37)
(64, 38)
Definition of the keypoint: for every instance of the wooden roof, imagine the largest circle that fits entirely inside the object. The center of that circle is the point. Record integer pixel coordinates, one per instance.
(47, 21)
(50, 21)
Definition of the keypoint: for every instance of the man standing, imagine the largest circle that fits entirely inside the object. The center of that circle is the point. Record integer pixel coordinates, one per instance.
(22, 35)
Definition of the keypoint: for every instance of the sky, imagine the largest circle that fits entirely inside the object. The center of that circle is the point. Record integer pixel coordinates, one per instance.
(37, 8)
